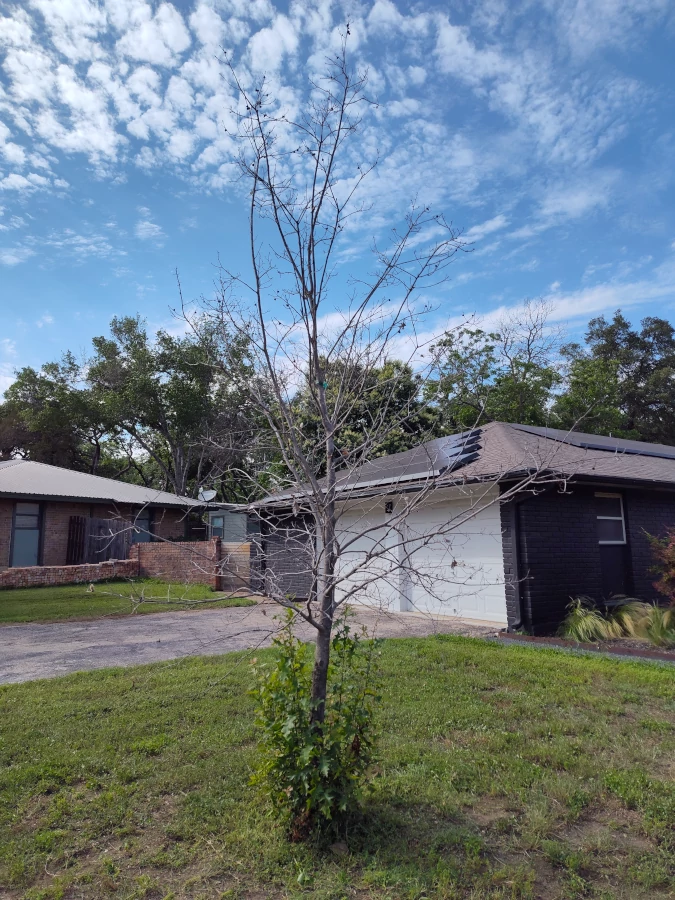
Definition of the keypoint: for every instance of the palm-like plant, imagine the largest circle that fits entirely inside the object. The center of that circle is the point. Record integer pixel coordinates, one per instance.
(584, 622)
(628, 617)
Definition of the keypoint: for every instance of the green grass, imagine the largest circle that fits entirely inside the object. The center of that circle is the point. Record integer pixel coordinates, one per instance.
(505, 772)
(73, 601)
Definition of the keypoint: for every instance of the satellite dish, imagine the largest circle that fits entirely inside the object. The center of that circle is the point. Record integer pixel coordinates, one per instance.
(207, 496)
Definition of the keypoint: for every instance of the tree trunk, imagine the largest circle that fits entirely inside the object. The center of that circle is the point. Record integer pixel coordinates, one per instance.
(320, 672)
(323, 638)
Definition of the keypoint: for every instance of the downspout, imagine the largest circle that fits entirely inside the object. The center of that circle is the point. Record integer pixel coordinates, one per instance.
(515, 553)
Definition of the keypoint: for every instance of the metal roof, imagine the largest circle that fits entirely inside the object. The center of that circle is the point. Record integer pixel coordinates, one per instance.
(23, 478)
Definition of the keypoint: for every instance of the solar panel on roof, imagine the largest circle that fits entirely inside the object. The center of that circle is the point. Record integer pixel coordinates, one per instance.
(462, 451)
(464, 448)
(459, 463)
(627, 451)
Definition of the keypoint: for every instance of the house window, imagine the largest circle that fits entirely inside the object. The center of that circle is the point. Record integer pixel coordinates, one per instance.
(611, 525)
(217, 526)
(26, 535)
(142, 530)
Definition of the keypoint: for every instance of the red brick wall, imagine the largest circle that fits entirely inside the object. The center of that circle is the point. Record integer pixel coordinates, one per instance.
(169, 525)
(48, 576)
(222, 566)
(55, 530)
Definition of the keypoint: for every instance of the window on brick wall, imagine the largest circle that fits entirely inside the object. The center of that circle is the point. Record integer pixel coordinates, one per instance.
(26, 534)
(611, 524)
(142, 531)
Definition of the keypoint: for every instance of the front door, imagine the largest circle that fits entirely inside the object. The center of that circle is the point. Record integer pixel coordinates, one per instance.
(612, 544)
(26, 535)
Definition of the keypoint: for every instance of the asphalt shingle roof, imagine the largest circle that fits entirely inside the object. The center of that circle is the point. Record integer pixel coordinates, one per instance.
(23, 478)
(506, 451)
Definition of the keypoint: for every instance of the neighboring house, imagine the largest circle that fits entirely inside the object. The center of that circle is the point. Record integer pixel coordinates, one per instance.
(48, 514)
(583, 529)
(228, 522)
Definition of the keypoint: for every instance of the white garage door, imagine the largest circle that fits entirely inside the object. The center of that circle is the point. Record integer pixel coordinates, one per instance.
(455, 571)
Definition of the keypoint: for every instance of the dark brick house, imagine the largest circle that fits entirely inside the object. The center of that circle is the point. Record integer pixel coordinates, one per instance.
(47, 515)
(562, 514)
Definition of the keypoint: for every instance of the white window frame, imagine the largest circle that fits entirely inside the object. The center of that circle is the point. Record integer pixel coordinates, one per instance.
(212, 518)
(622, 519)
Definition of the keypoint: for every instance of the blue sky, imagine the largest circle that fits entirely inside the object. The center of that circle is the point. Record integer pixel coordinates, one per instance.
(544, 130)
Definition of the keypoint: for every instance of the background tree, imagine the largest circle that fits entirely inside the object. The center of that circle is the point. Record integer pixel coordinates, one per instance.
(590, 398)
(507, 375)
(147, 409)
(52, 416)
(625, 378)
(383, 400)
(164, 394)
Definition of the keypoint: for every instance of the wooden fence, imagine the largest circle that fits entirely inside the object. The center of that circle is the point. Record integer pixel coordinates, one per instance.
(97, 540)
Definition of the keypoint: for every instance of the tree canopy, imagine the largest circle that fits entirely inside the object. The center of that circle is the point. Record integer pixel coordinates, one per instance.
(382, 400)
(150, 409)
(623, 380)
(157, 410)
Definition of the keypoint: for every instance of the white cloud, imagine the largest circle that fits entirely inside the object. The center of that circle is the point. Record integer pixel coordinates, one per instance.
(480, 231)
(7, 347)
(12, 152)
(605, 297)
(45, 319)
(597, 24)
(6, 376)
(155, 39)
(464, 110)
(207, 25)
(269, 46)
(12, 256)
(146, 229)
(12, 223)
(16, 182)
(81, 246)
(74, 26)
(571, 201)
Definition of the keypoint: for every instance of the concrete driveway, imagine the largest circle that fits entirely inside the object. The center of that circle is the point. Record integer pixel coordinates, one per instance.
(31, 651)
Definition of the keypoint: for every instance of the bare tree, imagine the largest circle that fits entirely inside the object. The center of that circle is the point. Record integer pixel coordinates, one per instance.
(312, 330)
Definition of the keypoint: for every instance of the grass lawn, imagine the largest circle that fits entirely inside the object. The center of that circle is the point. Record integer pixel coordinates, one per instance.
(51, 604)
(505, 772)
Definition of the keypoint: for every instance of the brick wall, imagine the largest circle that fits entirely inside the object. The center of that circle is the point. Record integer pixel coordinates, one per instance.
(558, 555)
(169, 525)
(49, 576)
(222, 566)
(647, 512)
(55, 530)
